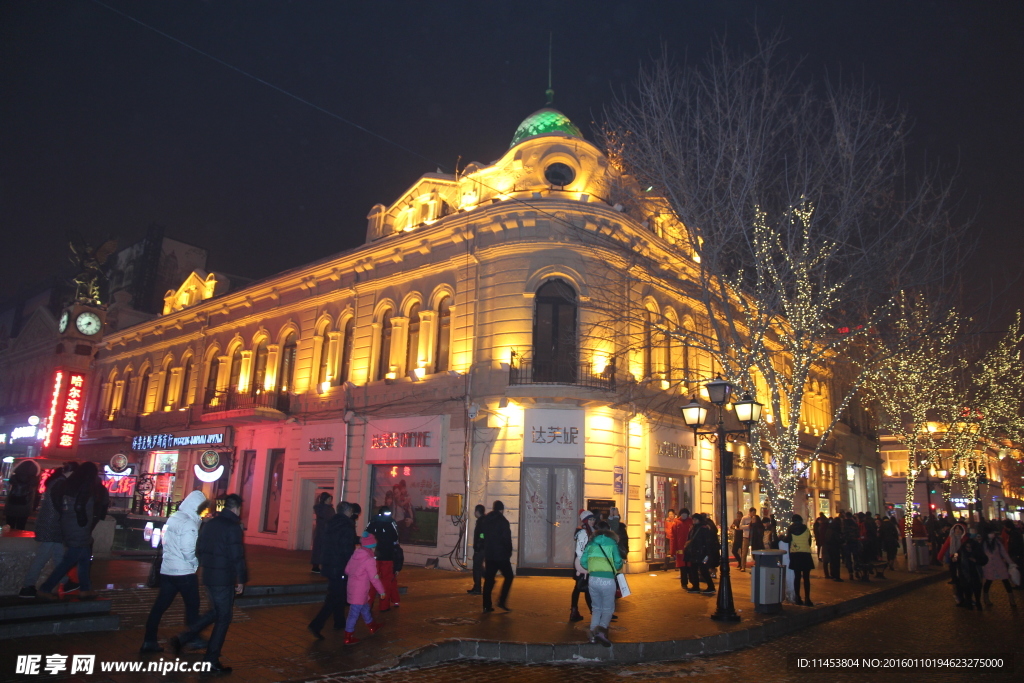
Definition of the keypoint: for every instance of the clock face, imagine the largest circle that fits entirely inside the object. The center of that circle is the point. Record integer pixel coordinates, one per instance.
(89, 323)
(65, 318)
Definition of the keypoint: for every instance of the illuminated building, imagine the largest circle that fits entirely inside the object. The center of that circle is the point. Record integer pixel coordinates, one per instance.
(460, 356)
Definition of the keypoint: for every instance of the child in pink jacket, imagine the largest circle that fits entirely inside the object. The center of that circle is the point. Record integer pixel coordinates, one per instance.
(362, 572)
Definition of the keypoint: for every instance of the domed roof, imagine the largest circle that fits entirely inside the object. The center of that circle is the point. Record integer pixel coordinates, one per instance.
(544, 121)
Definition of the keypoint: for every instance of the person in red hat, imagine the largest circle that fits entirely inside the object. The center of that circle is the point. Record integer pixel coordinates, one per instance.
(362, 573)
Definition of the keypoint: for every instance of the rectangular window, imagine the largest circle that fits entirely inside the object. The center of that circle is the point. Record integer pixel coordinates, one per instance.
(664, 493)
(274, 489)
(413, 492)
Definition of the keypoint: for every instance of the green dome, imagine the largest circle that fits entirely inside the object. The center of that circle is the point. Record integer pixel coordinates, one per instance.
(544, 121)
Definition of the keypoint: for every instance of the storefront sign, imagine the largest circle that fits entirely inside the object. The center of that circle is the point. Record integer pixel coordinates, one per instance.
(407, 439)
(671, 449)
(618, 479)
(65, 409)
(822, 494)
(325, 443)
(550, 433)
(209, 460)
(634, 492)
(151, 442)
(119, 462)
(27, 432)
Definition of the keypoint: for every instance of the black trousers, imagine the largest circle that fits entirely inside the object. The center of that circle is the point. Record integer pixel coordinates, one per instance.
(222, 598)
(493, 567)
(835, 559)
(478, 568)
(334, 604)
(699, 572)
(170, 586)
(581, 585)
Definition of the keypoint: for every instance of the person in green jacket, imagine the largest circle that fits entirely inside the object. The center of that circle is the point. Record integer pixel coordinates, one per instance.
(602, 560)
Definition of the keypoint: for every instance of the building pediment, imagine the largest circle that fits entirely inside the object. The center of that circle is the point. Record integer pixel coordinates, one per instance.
(197, 287)
(40, 327)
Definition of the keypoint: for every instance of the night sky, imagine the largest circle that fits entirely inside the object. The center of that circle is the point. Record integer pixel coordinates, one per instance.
(107, 126)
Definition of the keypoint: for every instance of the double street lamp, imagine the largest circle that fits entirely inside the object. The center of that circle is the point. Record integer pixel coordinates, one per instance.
(748, 412)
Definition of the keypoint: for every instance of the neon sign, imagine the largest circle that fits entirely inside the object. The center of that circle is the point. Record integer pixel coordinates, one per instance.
(58, 383)
(70, 412)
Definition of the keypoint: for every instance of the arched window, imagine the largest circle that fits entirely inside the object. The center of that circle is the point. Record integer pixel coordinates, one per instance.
(325, 359)
(186, 380)
(384, 358)
(125, 392)
(165, 387)
(648, 343)
(444, 333)
(412, 350)
(554, 333)
(108, 400)
(143, 390)
(259, 368)
(211, 377)
(236, 369)
(346, 349)
(288, 352)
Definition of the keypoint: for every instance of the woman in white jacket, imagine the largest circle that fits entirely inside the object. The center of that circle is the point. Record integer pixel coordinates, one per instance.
(178, 569)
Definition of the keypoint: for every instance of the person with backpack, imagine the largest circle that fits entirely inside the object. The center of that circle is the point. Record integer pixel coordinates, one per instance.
(385, 530)
(602, 561)
(22, 494)
(81, 501)
(478, 550)
(178, 567)
(339, 542)
(49, 540)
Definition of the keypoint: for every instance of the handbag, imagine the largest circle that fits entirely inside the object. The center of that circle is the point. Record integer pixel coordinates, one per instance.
(1015, 575)
(399, 558)
(621, 587)
(153, 581)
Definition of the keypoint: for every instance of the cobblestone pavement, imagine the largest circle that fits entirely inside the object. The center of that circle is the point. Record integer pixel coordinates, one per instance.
(924, 621)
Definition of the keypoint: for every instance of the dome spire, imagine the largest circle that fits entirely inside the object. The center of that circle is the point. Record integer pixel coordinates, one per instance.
(550, 91)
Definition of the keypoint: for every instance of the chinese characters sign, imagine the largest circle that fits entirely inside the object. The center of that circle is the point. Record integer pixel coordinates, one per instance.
(65, 409)
(324, 443)
(407, 439)
(150, 442)
(550, 433)
(400, 440)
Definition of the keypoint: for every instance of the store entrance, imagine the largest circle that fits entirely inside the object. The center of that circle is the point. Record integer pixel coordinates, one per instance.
(551, 496)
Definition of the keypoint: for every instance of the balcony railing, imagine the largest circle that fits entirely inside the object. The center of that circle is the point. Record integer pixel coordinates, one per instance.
(522, 371)
(118, 421)
(221, 401)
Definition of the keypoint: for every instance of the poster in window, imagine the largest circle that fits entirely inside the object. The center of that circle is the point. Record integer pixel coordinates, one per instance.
(275, 487)
(413, 492)
(248, 474)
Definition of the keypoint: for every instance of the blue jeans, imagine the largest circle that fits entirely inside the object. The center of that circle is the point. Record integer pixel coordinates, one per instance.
(45, 551)
(222, 598)
(170, 586)
(602, 593)
(356, 611)
(72, 556)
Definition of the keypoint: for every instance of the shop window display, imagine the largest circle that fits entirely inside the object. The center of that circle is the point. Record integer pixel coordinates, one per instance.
(664, 493)
(413, 494)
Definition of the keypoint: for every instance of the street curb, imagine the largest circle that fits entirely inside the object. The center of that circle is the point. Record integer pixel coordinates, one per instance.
(629, 653)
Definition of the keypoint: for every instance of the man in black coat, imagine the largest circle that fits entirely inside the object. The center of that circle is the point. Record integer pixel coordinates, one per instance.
(478, 549)
(222, 556)
(338, 544)
(383, 527)
(498, 555)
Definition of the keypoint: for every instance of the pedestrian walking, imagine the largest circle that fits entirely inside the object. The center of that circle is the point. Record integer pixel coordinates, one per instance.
(617, 527)
(385, 530)
(478, 550)
(362, 573)
(49, 540)
(757, 532)
(602, 560)
(671, 521)
(737, 539)
(322, 513)
(580, 577)
(889, 536)
(970, 559)
(771, 530)
(745, 524)
(697, 553)
(834, 547)
(851, 542)
(178, 567)
(22, 493)
(339, 543)
(497, 555)
(947, 554)
(222, 556)
(799, 540)
(81, 501)
(820, 527)
(997, 568)
(680, 535)
(1014, 540)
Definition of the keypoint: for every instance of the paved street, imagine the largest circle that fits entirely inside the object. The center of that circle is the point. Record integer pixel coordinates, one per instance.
(924, 621)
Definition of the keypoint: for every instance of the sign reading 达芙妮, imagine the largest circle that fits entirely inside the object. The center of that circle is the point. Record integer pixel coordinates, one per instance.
(551, 433)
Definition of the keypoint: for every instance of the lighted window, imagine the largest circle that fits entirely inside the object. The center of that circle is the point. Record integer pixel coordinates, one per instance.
(346, 349)
(444, 333)
(186, 381)
(236, 369)
(259, 367)
(165, 387)
(648, 343)
(413, 492)
(126, 387)
(413, 347)
(140, 406)
(384, 355)
(325, 358)
(211, 378)
(288, 353)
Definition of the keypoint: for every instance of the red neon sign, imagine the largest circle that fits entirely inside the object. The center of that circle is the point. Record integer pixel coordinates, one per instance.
(58, 384)
(65, 409)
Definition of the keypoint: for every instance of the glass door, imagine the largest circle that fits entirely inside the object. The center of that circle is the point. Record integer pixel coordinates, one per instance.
(550, 497)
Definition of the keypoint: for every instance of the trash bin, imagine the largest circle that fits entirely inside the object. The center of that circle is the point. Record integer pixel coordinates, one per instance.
(922, 554)
(769, 585)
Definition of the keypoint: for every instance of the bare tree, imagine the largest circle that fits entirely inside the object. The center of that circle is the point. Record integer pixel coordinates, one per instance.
(793, 222)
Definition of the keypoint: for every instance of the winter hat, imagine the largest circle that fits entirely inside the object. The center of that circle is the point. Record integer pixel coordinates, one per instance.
(368, 540)
(585, 515)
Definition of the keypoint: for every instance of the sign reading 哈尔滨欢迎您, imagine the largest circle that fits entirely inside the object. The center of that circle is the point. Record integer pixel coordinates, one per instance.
(553, 433)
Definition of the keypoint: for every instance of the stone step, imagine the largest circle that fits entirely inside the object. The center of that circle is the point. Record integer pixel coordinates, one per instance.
(82, 623)
(291, 589)
(43, 609)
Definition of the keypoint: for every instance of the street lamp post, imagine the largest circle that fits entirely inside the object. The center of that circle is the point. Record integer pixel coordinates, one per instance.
(748, 412)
